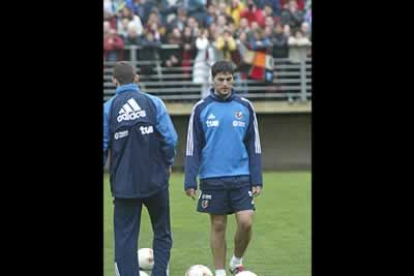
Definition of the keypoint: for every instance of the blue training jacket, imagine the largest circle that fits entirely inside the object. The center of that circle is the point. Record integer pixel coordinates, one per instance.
(140, 139)
(223, 140)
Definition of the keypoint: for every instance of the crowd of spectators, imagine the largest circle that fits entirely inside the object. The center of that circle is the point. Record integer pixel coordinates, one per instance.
(206, 30)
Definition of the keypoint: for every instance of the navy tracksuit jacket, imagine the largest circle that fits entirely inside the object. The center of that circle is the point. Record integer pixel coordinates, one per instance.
(140, 140)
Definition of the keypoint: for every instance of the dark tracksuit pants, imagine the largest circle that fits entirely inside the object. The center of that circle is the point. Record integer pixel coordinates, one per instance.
(127, 221)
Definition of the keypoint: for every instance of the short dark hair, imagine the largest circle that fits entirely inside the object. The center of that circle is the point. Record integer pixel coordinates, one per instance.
(222, 66)
(124, 72)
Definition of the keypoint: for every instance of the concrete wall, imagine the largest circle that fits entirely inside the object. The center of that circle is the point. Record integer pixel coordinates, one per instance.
(285, 139)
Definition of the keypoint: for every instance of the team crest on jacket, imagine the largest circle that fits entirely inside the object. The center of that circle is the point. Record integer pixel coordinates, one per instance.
(239, 115)
(204, 204)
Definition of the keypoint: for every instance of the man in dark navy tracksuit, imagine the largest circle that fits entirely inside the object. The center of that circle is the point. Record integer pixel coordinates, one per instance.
(140, 139)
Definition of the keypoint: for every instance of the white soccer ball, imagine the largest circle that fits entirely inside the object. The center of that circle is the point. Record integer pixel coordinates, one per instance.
(146, 258)
(245, 273)
(198, 270)
(143, 273)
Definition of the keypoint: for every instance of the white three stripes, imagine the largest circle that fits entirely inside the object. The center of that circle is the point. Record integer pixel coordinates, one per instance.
(257, 146)
(134, 104)
(116, 270)
(190, 138)
(130, 106)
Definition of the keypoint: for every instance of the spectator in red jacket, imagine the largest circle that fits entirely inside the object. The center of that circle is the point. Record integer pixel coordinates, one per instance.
(253, 14)
(113, 46)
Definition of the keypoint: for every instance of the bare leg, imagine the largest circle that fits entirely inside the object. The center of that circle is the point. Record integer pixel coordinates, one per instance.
(243, 233)
(218, 239)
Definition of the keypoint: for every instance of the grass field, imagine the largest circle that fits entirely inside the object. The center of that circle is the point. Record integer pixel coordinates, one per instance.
(281, 243)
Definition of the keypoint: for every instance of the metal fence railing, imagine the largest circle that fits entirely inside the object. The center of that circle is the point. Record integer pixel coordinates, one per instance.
(291, 81)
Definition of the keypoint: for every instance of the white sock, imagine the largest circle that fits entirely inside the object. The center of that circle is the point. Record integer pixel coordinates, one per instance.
(236, 261)
(220, 272)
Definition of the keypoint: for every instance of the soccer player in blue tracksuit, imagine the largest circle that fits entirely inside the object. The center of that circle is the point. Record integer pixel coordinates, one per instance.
(140, 140)
(223, 149)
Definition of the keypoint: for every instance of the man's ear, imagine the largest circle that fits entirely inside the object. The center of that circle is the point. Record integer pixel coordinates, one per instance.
(114, 81)
(136, 78)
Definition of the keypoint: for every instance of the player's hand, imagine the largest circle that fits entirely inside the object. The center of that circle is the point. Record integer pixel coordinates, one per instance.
(256, 190)
(191, 193)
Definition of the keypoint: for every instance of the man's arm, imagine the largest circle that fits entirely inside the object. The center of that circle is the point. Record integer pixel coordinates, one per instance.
(252, 142)
(106, 134)
(195, 141)
(166, 128)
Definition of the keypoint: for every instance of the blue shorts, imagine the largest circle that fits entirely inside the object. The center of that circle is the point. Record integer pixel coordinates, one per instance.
(224, 196)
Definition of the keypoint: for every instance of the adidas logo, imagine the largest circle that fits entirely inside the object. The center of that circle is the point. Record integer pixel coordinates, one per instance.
(211, 117)
(130, 111)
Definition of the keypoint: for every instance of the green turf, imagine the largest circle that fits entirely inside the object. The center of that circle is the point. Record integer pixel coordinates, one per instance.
(281, 243)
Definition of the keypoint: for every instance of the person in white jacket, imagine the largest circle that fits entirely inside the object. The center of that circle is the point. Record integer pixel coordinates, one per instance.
(203, 62)
(298, 47)
(132, 21)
